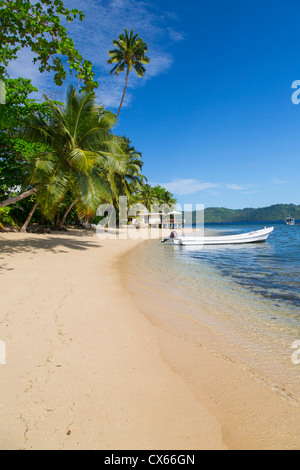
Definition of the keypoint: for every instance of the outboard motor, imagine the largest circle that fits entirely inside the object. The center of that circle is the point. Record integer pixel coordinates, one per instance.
(171, 237)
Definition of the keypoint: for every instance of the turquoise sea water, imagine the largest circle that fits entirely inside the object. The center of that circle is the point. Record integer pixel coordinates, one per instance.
(271, 270)
(240, 301)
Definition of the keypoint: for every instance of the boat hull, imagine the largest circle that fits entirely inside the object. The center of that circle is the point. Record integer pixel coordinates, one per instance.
(252, 237)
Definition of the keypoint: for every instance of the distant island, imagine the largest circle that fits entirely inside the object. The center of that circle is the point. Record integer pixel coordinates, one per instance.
(275, 213)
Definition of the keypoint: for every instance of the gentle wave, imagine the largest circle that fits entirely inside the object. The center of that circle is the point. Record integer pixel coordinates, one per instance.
(271, 270)
(240, 301)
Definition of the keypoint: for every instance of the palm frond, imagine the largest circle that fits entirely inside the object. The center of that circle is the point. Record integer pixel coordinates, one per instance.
(81, 160)
(90, 189)
(53, 191)
(129, 53)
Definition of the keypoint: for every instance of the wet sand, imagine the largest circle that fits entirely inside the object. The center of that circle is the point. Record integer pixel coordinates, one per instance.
(216, 356)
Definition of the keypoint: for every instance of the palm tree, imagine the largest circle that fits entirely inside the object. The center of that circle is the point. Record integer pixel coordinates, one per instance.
(147, 196)
(14, 199)
(30, 215)
(81, 147)
(129, 54)
(165, 197)
(132, 179)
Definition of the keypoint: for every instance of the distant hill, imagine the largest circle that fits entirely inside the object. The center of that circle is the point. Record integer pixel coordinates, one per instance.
(278, 212)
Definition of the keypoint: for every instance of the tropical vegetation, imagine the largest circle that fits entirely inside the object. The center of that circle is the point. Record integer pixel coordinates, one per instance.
(274, 213)
(73, 160)
(5, 218)
(155, 197)
(39, 27)
(60, 161)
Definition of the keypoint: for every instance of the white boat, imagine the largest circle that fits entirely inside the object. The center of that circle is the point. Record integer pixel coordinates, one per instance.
(290, 221)
(250, 237)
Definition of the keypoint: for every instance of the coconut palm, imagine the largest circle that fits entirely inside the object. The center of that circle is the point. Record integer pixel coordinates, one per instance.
(132, 179)
(147, 196)
(14, 199)
(164, 197)
(81, 146)
(30, 215)
(129, 54)
(155, 196)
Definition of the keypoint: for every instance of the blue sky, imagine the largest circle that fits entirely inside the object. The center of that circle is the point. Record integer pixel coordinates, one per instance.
(213, 115)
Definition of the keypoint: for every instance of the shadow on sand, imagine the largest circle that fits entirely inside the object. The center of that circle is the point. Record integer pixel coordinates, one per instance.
(56, 242)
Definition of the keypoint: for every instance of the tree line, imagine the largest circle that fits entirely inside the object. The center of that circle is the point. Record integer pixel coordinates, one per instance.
(274, 213)
(59, 161)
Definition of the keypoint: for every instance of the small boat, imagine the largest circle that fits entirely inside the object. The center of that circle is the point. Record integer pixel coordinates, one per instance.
(290, 221)
(250, 237)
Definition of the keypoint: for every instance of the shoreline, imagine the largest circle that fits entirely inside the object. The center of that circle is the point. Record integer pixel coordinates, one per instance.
(89, 368)
(252, 415)
(84, 367)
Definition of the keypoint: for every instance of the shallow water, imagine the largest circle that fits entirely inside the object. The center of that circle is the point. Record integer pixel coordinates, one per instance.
(271, 270)
(240, 302)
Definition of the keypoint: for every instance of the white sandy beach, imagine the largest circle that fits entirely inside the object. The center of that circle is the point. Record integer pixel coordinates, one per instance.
(86, 369)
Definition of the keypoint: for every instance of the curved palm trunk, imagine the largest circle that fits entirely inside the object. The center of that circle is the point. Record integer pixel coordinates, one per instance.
(126, 83)
(24, 227)
(61, 224)
(14, 200)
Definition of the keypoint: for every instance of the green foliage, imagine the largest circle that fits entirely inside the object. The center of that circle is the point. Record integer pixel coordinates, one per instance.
(129, 181)
(164, 197)
(15, 152)
(82, 149)
(129, 53)
(69, 152)
(38, 26)
(5, 218)
(277, 212)
(157, 195)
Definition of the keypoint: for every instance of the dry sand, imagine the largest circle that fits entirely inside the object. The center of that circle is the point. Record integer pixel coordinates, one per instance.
(84, 368)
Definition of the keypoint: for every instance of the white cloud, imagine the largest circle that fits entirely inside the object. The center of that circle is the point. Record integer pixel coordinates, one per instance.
(23, 67)
(176, 36)
(252, 192)
(160, 63)
(117, 3)
(235, 187)
(104, 21)
(278, 181)
(184, 187)
(246, 189)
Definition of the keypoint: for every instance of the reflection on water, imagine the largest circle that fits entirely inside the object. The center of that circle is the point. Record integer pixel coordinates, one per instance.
(241, 301)
(271, 269)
